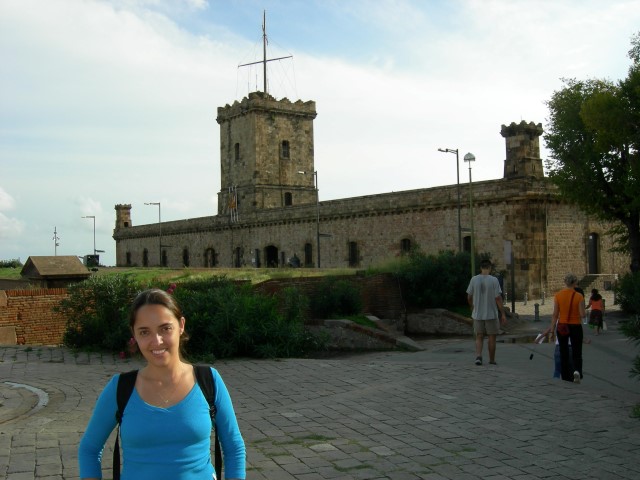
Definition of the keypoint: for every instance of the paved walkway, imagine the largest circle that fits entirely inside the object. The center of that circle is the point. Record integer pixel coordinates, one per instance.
(386, 415)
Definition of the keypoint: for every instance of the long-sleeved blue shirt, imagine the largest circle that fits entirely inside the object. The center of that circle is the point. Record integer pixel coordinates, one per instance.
(164, 443)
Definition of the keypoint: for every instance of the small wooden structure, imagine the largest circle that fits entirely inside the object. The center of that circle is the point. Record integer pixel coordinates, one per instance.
(54, 272)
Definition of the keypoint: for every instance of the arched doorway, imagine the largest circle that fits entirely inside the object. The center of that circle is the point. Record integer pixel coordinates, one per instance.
(209, 258)
(237, 257)
(271, 256)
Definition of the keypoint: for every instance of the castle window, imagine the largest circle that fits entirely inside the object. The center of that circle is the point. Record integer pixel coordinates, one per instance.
(164, 261)
(237, 257)
(308, 255)
(285, 149)
(185, 257)
(466, 243)
(288, 199)
(128, 259)
(145, 258)
(353, 254)
(126, 224)
(405, 245)
(236, 151)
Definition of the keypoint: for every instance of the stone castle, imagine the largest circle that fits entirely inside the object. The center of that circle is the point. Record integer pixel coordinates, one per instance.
(269, 212)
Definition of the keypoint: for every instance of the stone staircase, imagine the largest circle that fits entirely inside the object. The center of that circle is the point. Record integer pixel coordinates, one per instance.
(604, 282)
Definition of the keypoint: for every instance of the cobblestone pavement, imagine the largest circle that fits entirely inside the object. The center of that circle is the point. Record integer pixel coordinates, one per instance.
(385, 415)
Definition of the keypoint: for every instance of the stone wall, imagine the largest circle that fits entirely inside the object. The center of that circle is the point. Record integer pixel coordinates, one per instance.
(346, 335)
(381, 295)
(29, 313)
(437, 321)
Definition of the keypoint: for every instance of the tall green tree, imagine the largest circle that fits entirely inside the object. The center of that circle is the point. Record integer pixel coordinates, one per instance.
(593, 135)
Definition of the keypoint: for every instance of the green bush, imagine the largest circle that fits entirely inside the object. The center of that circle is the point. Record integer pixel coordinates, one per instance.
(628, 296)
(97, 312)
(335, 297)
(434, 281)
(14, 263)
(628, 293)
(226, 319)
(631, 329)
(223, 318)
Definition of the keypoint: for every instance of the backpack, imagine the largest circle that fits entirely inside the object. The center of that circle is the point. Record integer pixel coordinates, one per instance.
(126, 384)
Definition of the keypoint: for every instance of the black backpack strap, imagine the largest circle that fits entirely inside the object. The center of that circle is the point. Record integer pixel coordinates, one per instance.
(126, 384)
(204, 377)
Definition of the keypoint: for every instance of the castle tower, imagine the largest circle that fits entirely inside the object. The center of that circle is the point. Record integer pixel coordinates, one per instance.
(123, 216)
(523, 150)
(264, 144)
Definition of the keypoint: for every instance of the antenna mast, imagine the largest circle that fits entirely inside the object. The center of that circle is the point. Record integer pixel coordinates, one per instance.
(264, 53)
(55, 241)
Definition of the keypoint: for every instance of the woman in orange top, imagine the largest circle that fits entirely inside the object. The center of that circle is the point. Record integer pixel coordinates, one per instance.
(568, 310)
(597, 310)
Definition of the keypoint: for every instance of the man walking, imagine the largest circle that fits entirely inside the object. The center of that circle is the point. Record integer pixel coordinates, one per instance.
(485, 298)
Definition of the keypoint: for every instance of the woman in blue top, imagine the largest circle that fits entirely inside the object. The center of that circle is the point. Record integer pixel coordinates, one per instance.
(166, 427)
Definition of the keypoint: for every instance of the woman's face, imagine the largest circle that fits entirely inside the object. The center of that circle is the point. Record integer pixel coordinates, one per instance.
(157, 332)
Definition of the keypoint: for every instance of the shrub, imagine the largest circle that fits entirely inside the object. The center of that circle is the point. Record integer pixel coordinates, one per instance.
(628, 296)
(335, 297)
(227, 319)
(223, 318)
(434, 281)
(631, 329)
(628, 293)
(14, 263)
(97, 312)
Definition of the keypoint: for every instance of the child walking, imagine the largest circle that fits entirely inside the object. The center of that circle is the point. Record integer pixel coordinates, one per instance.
(596, 304)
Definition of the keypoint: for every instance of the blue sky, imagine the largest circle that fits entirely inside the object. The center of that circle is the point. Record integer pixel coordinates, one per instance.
(105, 102)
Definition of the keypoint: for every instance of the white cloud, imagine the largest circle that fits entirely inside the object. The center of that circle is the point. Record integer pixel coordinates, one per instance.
(6, 200)
(10, 228)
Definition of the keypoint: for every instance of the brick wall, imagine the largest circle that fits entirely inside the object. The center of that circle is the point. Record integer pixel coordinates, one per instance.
(381, 294)
(31, 313)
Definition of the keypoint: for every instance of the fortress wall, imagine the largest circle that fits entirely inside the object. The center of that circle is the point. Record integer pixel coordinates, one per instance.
(548, 238)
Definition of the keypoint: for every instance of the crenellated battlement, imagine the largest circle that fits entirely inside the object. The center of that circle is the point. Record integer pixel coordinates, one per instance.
(263, 102)
(532, 129)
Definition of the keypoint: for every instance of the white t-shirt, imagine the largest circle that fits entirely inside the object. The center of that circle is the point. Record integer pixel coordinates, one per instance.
(484, 289)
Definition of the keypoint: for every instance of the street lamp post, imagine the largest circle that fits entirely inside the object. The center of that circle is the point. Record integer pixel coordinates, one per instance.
(470, 157)
(94, 232)
(451, 150)
(159, 232)
(315, 179)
